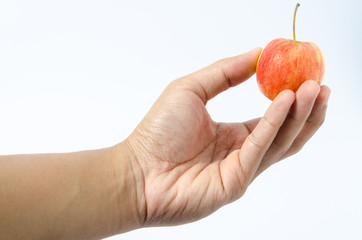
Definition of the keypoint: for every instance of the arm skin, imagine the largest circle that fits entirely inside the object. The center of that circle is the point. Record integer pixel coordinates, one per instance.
(80, 195)
(177, 166)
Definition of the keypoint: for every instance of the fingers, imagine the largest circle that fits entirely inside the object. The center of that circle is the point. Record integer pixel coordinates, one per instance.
(258, 142)
(223, 74)
(313, 123)
(293, 124)
(237, 169)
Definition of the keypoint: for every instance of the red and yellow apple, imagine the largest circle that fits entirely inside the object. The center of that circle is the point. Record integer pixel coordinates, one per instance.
(286, 64)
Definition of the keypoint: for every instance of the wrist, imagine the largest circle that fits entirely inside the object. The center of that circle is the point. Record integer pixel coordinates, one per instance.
(129, 179)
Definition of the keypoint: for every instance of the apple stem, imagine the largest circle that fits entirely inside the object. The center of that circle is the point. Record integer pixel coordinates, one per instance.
(295, 14)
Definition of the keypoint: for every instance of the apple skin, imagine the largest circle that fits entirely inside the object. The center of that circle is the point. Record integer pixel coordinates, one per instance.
(284, 64)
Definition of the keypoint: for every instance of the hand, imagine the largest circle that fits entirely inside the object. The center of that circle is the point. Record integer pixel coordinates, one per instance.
(186, 165)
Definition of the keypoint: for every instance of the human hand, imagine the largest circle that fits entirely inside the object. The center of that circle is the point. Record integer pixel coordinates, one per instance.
(186, 166)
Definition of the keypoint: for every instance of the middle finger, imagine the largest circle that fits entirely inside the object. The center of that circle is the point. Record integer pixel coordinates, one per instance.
(301, 109)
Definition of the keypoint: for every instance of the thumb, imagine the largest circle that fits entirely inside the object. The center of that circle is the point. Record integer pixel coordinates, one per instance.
(223, 74)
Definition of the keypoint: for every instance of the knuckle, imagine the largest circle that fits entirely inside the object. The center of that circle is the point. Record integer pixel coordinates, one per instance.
(220, 62)
(297, 147)
(270, 122)
(254, 140)
(174, 84)
(282, 153)
(318, 119)
(321, 121)
(280, 149)
(178, 82)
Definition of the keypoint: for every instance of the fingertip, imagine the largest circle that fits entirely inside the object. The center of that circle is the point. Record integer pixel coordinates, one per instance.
(326, 89)
(253, 54)
(312, 84)
(282, 102)
(285, 95)
(324, 94)
(308, 90)
(257, 50)
(288, 92)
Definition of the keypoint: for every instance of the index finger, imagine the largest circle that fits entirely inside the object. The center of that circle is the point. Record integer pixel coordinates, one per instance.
(260, 139)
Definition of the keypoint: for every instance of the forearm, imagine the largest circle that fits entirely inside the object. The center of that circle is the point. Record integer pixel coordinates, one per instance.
(77, 195)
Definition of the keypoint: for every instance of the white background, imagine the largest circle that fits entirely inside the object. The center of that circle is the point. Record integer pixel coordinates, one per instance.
(80, 74)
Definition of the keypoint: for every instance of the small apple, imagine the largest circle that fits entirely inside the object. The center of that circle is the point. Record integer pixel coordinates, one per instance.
(286, 64)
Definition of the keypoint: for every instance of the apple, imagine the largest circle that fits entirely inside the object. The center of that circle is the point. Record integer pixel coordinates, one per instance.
(286, 64)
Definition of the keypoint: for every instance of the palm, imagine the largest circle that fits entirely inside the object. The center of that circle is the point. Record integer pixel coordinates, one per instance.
(187, 147)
